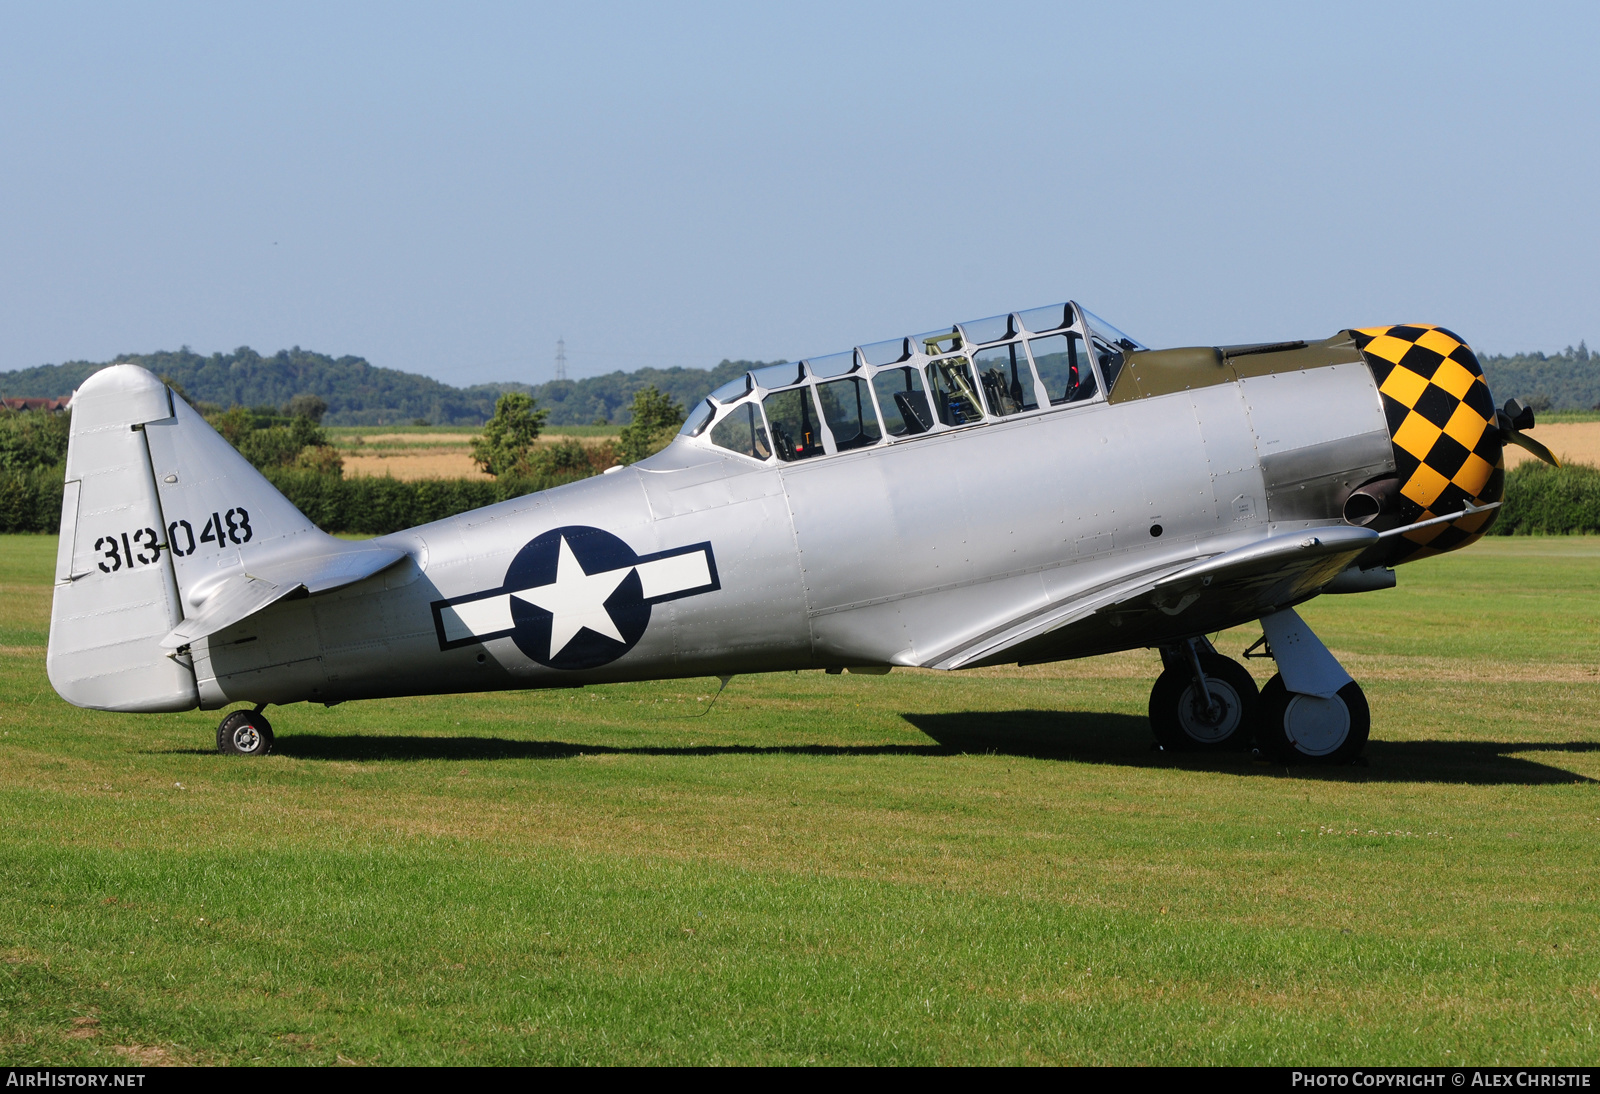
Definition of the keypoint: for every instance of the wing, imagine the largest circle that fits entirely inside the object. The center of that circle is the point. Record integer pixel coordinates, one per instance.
(1209, 594)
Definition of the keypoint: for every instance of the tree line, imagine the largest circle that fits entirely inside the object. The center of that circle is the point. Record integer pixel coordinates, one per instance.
(1569, 380)
(356, 392)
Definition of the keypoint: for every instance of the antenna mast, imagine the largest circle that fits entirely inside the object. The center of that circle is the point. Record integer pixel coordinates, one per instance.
(561, 358)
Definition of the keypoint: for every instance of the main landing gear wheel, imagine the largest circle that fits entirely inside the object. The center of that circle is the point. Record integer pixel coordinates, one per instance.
(1304, 729)
(245, 733)
(1184, 721)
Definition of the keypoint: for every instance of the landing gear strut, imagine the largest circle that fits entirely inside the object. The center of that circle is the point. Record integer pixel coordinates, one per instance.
(245, 733)
(1203, 701)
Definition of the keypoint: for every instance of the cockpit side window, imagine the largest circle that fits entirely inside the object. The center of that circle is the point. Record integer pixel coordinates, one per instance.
(796, 427)
(779, 375)
(695, 424)
(955, 401)
(904, 402)
(1105, 332)
(835, 364)
(847, 408)
(1110, 346)
(743, 431)
(736, 388)
(1110, 358)
(1063, 365)
(1006, 379)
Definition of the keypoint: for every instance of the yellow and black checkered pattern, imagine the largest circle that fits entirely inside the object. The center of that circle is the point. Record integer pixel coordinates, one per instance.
(1447, 447)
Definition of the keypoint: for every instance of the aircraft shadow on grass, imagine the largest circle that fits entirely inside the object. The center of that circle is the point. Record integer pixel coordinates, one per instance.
(1083, 737)
(1089, 737)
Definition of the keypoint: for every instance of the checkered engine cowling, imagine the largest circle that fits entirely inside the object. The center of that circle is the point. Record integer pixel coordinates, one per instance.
(1447, 447)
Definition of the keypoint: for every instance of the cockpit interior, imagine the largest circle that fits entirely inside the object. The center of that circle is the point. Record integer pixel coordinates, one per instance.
(1021, 363)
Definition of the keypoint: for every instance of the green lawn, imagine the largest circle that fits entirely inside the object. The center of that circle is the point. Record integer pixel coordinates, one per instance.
(1547, 416)
(978, 868)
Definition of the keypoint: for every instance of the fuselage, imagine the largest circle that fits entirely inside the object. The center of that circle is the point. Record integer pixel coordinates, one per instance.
(720, 557)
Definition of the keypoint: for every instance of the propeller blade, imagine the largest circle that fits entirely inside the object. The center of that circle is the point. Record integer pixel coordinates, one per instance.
(1522, 440)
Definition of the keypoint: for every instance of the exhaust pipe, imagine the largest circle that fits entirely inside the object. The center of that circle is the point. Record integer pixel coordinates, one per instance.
(1368, 502)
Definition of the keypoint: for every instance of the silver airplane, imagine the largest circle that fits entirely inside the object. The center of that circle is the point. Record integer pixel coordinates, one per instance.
(1028, 488)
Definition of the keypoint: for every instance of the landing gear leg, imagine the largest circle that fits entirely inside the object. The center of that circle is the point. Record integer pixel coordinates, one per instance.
(245, 733)
(1311, 711)
(1203, 701)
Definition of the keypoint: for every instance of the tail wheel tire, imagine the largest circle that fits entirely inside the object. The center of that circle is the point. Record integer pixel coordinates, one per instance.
(1183, 720)
(244, 733)
(1305, 729)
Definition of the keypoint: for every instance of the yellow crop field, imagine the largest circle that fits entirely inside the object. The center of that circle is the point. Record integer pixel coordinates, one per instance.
(1572, 442)
(411, 456)
(413, 465)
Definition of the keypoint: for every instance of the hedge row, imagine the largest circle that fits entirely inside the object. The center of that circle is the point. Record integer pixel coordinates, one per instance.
(1539, 499)
(380, 505)
(30, 501)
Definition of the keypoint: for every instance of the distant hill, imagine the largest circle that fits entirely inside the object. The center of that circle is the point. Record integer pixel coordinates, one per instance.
(357, 393)
(610, 397)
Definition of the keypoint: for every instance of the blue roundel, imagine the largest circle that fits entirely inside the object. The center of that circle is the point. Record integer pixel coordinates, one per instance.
(600, 557)
(576, 597)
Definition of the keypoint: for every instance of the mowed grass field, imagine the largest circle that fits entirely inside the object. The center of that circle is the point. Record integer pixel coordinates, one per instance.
(982, 868)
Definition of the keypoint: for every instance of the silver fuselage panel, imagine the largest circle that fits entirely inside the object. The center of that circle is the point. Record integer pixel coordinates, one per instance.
(897, 554)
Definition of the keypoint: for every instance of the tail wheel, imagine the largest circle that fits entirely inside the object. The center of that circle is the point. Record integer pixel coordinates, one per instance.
(245, 733)
(1305, 729)
(1182, 718)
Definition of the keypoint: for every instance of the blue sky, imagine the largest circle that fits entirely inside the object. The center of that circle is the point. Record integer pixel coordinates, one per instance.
(447, 189)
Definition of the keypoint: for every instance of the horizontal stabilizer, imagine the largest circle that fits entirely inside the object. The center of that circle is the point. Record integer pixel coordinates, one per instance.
(337, 564)
(318, 567)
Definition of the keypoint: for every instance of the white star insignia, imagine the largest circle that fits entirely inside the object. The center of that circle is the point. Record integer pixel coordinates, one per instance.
(576, 600)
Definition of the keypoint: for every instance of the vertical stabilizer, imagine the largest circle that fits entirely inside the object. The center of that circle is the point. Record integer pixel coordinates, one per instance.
(116, 595)
(223, 516)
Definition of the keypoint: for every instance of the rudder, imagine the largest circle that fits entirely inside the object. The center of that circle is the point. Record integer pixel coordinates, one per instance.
(116, 595)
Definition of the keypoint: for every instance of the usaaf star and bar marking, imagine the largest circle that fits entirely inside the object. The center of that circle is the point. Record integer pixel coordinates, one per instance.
(576, 597)
(1441, 416)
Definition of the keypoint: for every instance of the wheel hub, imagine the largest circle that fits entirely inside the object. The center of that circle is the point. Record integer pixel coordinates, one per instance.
(1316, 726)
(1204, 721)
(246, 739)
